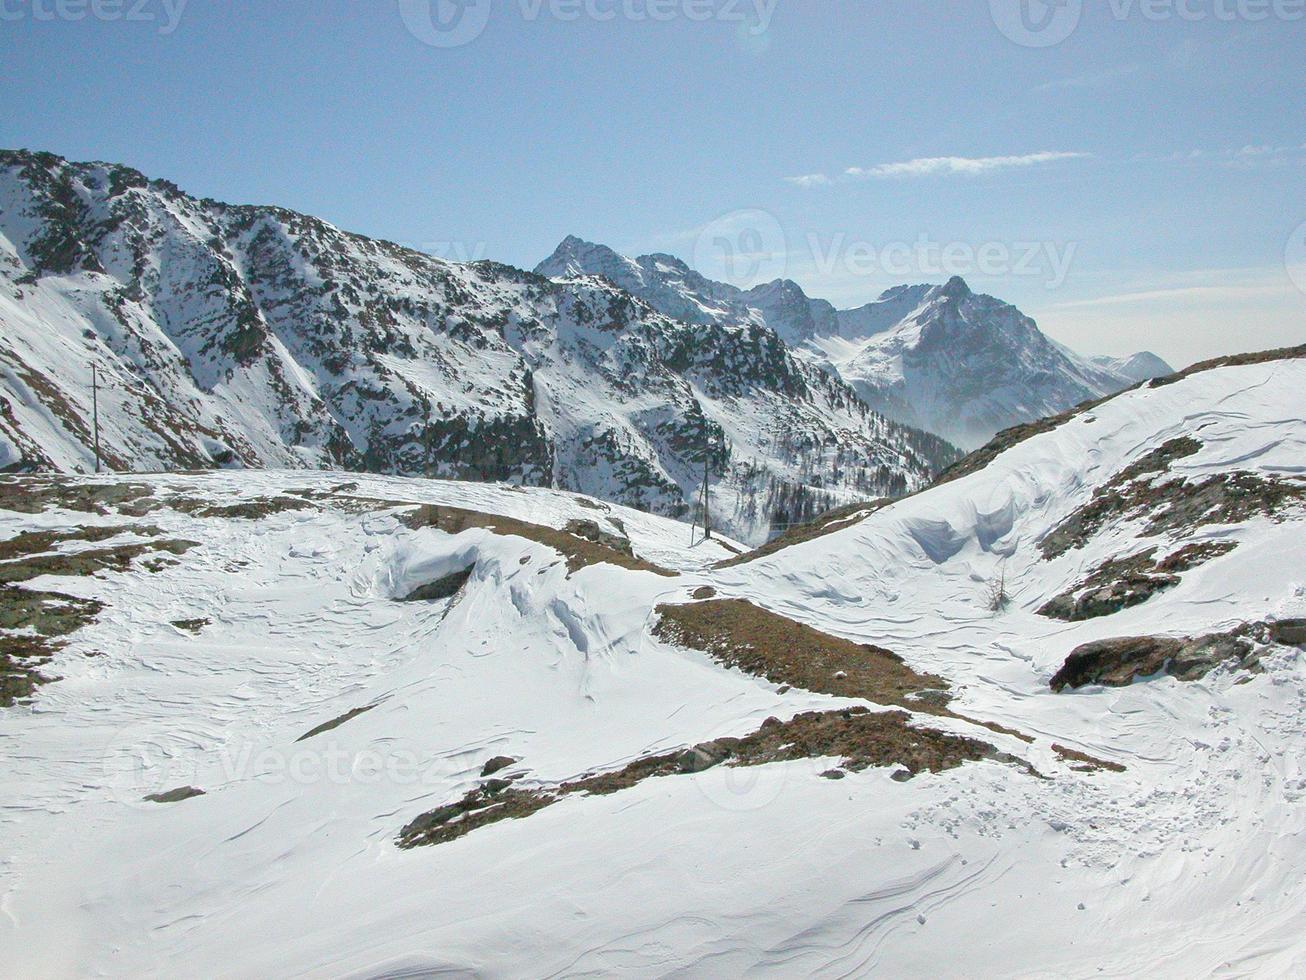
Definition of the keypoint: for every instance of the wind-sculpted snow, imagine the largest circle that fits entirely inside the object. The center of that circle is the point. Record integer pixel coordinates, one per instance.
(254, 336)
(1161, 835)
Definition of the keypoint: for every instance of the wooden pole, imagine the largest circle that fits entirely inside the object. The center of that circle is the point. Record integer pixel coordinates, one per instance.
(707, 483)
(95, 413)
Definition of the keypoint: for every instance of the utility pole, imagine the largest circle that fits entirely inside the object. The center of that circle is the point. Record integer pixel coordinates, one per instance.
(95, 413)
(707, 484)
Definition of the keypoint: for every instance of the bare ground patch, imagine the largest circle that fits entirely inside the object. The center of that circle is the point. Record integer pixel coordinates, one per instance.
(1082, 762)
(738, 634)
(860, 738)
(34, 625)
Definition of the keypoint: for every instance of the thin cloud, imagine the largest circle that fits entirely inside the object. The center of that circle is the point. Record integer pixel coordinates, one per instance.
(937, 166)
(810, 180)
(1090, 80)
(1244, 157)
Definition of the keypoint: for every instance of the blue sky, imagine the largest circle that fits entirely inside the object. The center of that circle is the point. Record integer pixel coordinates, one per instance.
(1137, 184)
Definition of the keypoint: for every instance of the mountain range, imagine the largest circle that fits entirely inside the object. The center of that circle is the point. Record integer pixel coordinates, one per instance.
(191, 334)
(259, 337)
(938, 357)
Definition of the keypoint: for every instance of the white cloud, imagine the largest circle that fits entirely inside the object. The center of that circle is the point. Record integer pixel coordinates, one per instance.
(933, 166)
(810, 180)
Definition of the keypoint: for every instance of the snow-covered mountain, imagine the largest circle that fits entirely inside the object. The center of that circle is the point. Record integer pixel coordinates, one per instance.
(671, 287)
(941, 358)
(966, 365)
(255, 336)
(1046, 718)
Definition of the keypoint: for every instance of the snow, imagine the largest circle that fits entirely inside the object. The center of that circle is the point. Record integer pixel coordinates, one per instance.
(1190, 863)
(940, 358)
(292, 344)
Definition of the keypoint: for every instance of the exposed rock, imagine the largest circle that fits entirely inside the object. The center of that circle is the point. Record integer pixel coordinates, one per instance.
(590, 531)
(1115, 498)
(497, 764)
(443, 588)
(703, 757)
(1118, 662)
(175, 795)
(1290, 632)
(1121, 583)
(1174, 505)
(335, 722)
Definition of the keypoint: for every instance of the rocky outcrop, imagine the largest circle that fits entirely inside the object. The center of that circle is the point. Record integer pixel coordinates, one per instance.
(1119, 662)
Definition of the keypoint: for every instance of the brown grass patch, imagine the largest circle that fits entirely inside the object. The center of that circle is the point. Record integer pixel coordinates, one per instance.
(1082, 762)
(738, 634)
(860, 738)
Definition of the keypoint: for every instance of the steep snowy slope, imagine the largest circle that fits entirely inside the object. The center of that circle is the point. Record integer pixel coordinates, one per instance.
(259, 337)
(563, 760)
(941, 358)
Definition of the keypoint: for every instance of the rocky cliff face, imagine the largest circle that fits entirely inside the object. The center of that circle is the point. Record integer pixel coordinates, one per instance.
(258, 337)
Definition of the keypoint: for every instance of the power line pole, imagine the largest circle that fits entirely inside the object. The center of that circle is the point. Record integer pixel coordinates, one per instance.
(707, 483)
(95, 413)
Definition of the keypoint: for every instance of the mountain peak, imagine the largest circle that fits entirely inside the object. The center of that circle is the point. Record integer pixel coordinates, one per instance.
(574, 256)
(955, 288)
